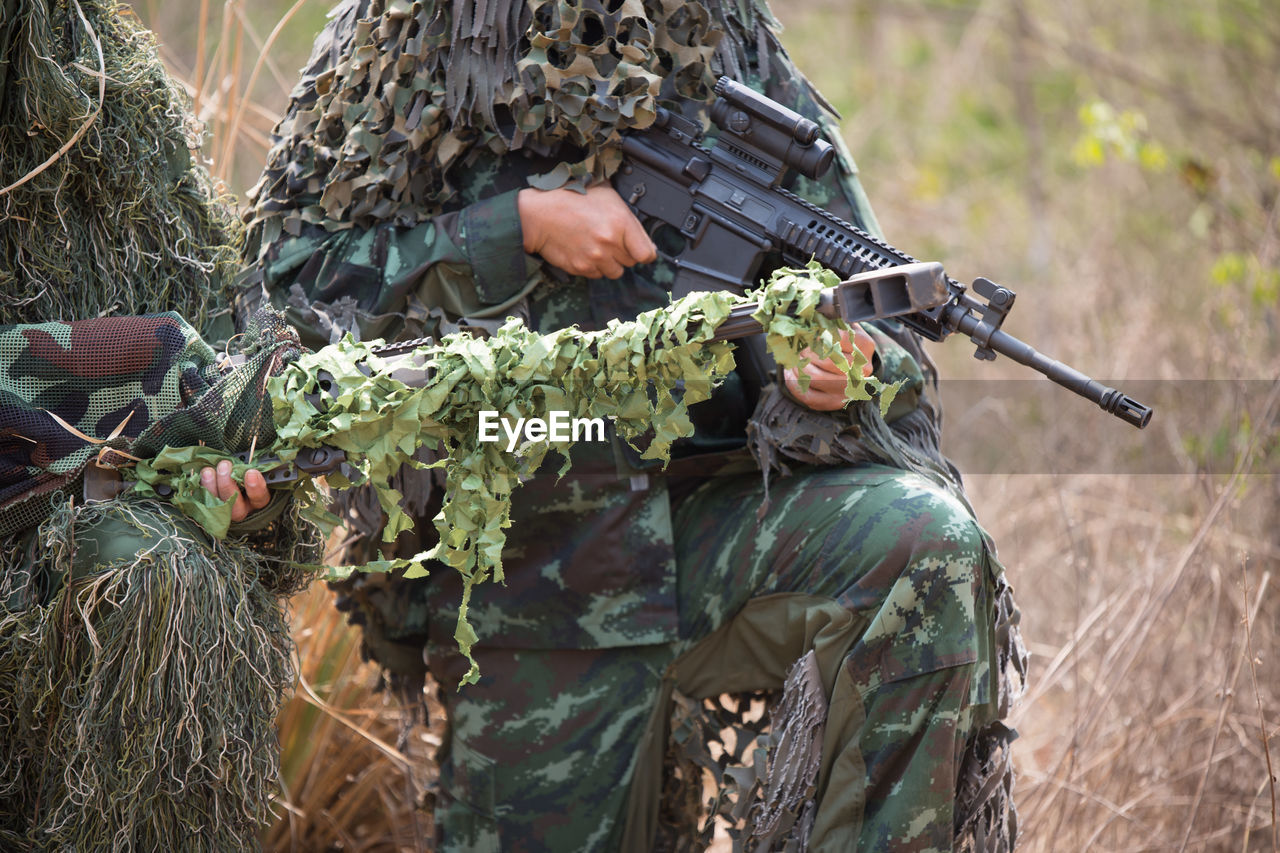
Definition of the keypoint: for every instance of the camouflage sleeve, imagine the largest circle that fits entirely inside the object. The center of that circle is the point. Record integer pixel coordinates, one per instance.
(394, 281)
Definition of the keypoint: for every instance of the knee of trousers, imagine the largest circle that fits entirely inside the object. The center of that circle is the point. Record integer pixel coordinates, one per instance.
(940, 541)
(925, 593)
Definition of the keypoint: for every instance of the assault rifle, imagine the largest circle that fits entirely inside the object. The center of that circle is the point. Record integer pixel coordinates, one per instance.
(717, 213)
(869, 296)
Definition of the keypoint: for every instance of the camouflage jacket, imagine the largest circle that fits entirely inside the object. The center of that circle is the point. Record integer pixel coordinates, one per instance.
(112, 389)
(589, 557)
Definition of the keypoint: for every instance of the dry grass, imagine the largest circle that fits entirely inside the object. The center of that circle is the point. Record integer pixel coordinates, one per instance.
(1142, 728)
(1149, 599)
(352, 776)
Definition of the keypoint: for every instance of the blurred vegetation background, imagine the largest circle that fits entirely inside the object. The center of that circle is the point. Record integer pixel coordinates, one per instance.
(1118, 165)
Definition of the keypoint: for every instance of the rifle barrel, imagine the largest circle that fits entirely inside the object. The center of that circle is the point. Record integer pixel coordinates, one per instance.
(1108, 399)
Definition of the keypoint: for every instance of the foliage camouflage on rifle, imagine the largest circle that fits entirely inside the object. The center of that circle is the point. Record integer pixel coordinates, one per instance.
(641, 374)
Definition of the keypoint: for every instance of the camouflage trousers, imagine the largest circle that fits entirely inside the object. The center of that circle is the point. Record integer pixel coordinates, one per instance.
(886, 577)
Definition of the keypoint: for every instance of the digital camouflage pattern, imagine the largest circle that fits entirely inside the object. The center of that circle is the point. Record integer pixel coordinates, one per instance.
(885, 576)
(564, 666)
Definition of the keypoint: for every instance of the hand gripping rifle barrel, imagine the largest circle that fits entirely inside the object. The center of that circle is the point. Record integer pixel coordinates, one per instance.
(718, 213)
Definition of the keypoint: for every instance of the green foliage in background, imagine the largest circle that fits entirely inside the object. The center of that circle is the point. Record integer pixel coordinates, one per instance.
(1123, 135)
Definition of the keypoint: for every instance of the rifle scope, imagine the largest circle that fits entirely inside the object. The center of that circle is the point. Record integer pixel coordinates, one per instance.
(752, 121)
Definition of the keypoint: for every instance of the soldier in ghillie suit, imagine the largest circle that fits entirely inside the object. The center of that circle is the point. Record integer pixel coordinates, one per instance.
(141, 663)
(444, 164)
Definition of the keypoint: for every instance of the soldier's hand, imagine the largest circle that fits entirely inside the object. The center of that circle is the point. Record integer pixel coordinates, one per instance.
(826, 382)
(254, 495)
(593, 234)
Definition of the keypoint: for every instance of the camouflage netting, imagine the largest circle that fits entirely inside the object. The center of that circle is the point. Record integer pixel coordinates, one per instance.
(398, 96)
(744, 764)
(121, 221)
(762, 750)
(116, 389)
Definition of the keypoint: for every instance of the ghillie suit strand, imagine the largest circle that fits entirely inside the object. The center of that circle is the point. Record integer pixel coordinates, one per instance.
(123, 221)
(141, 664)
(143, 661)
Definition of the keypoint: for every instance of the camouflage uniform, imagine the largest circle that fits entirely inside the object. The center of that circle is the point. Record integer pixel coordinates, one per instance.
(626, 584)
